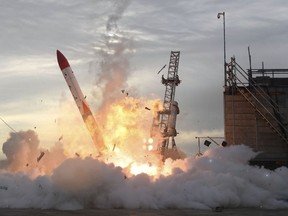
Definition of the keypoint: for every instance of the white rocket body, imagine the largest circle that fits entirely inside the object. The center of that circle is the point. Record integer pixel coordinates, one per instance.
(80, 100)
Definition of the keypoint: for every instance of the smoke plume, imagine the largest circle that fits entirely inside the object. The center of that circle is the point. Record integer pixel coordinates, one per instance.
(221, 177)
(24, 154)
(115, 54)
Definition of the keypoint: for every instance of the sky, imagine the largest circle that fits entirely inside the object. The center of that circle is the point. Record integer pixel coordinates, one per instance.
(32, 87)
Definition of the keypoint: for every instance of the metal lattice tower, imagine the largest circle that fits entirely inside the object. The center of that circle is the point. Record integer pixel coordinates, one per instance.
(170, 82)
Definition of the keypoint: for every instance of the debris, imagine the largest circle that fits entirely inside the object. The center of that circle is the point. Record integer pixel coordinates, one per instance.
(40, 156)
(77, 154)
(123, 91)
(60, 138)
(114, 147)
(207, 143)
(3, 187)
(147, 108)
(161, 69)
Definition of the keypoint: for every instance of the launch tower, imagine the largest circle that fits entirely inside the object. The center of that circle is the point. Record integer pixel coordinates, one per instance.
(165, 120)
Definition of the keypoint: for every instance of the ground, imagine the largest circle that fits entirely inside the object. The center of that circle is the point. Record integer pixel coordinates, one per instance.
(146, 212)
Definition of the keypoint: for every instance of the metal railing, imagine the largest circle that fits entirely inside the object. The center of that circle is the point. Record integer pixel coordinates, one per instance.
(256, 97)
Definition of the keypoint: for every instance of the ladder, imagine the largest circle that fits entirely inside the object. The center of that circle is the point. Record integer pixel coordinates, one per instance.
(259, 100)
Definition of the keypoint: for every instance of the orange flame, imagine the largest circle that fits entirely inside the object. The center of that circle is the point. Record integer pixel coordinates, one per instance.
(126, 125)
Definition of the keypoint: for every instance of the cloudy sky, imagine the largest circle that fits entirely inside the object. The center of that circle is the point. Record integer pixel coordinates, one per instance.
(32, 86)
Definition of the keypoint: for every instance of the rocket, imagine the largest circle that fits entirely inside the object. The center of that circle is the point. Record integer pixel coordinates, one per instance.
(81, 103)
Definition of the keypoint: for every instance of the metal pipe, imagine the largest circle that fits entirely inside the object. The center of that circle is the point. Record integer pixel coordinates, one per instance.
(224, 38)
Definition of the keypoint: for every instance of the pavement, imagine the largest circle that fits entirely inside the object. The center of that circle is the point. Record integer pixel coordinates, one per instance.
(145, 212)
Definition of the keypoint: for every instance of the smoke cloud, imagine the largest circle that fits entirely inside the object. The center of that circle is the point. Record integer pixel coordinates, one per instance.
(24, 154)
(221, 177)
(115, 54)
(21, 145)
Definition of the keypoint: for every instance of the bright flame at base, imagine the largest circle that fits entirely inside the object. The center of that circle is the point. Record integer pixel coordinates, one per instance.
(125, 126)
(126, 123)
(144, 168)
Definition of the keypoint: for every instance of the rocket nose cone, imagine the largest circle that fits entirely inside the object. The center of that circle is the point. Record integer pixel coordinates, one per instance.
(62, 61)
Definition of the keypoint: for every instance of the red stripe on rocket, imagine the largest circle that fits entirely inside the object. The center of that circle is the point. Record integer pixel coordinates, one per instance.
(82, 105)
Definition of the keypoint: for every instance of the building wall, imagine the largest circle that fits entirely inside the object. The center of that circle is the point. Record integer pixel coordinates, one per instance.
(244, 125)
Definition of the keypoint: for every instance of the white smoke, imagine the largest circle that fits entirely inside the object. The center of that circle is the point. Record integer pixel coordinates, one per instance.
(21, 146)
(24, 154)
(221, 177)
(115, 54)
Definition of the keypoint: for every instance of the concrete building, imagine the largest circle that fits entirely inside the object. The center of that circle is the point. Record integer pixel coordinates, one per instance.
(256, 112)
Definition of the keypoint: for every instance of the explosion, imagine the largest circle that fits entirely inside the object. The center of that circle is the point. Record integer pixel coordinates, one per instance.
(126, 132)
(125, 128)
